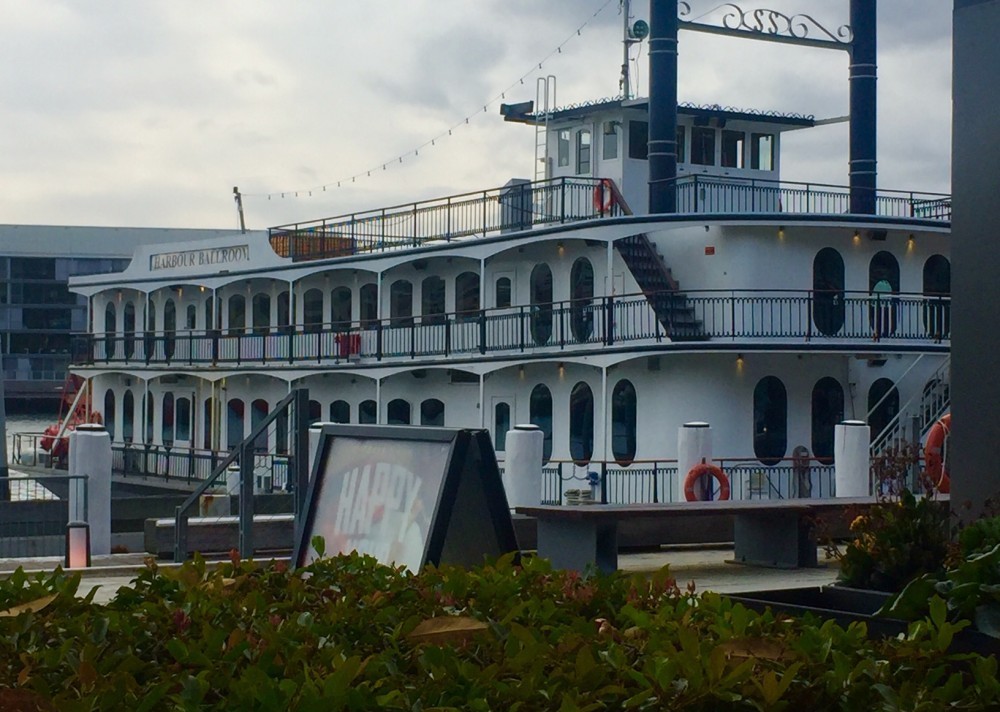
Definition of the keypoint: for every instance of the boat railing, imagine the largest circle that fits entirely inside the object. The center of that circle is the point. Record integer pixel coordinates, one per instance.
(750, 316)
(34, 511)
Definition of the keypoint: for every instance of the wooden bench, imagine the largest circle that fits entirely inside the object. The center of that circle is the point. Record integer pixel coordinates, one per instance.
(775, 533)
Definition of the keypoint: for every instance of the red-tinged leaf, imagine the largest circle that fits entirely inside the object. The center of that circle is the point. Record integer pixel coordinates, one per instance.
(446, 629)
(29, 607)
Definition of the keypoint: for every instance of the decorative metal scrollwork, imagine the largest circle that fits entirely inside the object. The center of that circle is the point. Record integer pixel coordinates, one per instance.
(771, 22)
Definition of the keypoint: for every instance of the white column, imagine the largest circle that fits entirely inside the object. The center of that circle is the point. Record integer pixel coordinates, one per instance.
(522, 477)
(851, 440)
(694, 446)
(90, 455)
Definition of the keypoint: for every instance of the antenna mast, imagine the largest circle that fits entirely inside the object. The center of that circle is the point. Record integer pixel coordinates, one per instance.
(625, 82)
(239, 208)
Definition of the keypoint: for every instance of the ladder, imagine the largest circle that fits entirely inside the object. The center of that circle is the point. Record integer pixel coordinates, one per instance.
(545, 104)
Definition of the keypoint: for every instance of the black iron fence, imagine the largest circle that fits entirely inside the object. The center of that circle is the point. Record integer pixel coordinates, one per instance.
(33, 520)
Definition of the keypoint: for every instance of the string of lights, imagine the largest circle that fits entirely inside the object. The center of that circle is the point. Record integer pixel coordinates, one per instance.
(433, 141)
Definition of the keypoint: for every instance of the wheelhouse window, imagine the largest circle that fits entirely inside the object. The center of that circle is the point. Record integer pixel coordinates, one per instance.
(432, 413)
(540, 414)
(609, 141)
(582, 297)
(583, 152)
(467, 295)
(340, 308)
(504, 293)
(312, 310)
(770, 420)
(937, 297)
(681, 144)
(398, 412)
(501, 424)
(541, 304)
(828, 291)
(762, 152)
(827, 412)
(432, 308)
(733, 149)
(702, 146)
(340, 412)
(623, 422)
(883, 405)
(367, 412)
(368, 303)
(581, 423)
(638, 140)
(563, 147)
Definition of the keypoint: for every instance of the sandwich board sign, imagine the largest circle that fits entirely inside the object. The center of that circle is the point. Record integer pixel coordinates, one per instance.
(406, 496)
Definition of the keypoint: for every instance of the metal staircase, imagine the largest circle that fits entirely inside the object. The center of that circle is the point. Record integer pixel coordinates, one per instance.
(926, 409)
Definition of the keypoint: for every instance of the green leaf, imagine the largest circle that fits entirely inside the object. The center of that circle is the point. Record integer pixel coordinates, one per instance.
(318, 544)
(987, 619)
(938, 611)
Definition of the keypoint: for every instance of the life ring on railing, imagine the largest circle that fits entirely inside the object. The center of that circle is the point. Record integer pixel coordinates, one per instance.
(934, 454)
(604, 195)
(697, 472)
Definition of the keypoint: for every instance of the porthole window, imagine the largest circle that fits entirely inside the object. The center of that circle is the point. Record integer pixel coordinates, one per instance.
(432, 413)
(398, 412)
(937, 297)
(581, 423)
(340, 412)
(828, 291)
(770, 420)
(540, 414)
(582, 299)
(541, 304)
(623, 422)
(501, 424)
(827, 412)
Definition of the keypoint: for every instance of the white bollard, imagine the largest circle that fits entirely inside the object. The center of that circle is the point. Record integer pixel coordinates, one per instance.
(851, 441)
(522, 476)
(694, 446)
(90, 455)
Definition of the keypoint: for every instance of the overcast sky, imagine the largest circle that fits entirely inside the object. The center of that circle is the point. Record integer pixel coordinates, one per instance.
(133, 113)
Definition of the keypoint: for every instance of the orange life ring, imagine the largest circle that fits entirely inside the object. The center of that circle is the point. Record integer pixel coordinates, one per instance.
(696, 473)
(934, 454)
(604, 195)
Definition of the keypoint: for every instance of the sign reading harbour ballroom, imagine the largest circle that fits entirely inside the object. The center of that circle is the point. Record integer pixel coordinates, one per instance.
(196, 258)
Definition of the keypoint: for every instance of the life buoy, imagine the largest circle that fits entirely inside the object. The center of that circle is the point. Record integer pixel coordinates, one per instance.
(603, 195)
(697, 472)
(934, 451)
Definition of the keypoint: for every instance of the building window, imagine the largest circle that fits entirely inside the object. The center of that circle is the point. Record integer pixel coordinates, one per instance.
(367, 412)
(638, 140)
(828, 291)
(583, 152)
(109, 412)
(770, 420)
(432, 308)
(501, 424)
(582, 298)
(623, 422)
(167, 420)
(398, 412)
(540, 414)
(883, 405)
(368, 297)
(563, 147)
(312, 310)
(467, 295)
(541, 304)
(702, 146)
(340, 308)
(681, 141)
(937, 297)
(827, 412)
(432, 413)
(401, 303)
(504, 293)
(340, 412)
(883, 284)
(762, 152)
(733, 153)
(260, 318)
(609, 144)
(182, 427)
(581, 423)
(234, 423)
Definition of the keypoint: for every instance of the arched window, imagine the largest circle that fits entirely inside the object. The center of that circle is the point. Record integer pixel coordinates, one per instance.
(368, 304)
(501, 424)
(261, 317)
(128, 417)
(110, 327)
(182, 423)
(150, 412)
(234, 423)
(432, 413)
(237, 314)
(315, 412)
(623, 422)
(770, 420)
(828, 291)
(581, 294)
(541, 304)
(312, 310)
(167, 419)
(281, 428)
(883, 282)
(209, 410)
(169, 327)
(367, 412)
(340, 309)
(151, 316)
(581, 423)
(109, 412)
(398, 412)
(191, 317)
(937, 297)
(284, 312)
(432, 308)
(128, 326)
(258, 411)
(504, 293)
(401, 303)
(827, 412)
(540, 414)
(883, 405)
(467, 295)
(340, 412)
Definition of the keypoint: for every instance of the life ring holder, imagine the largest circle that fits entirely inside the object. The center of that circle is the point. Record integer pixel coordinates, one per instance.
(697, 472)
(604, 195)
(934, 462)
